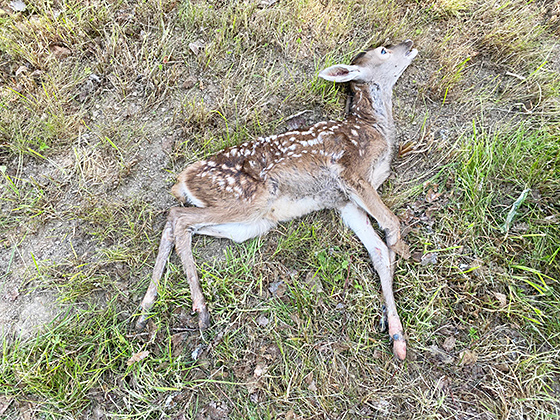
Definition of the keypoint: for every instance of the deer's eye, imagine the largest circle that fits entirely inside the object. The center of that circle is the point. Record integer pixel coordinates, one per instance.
(383, 51)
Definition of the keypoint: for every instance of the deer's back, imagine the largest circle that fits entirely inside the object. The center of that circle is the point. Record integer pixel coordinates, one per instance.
(288, 175)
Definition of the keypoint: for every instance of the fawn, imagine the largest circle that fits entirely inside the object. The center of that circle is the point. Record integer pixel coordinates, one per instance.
(244, 191)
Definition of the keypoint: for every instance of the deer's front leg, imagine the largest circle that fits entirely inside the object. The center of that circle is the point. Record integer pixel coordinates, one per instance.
(366, 197)
(165, 247)
(357, 220)
(183, 246)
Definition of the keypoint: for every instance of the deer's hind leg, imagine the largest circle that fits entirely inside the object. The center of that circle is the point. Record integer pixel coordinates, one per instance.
(182, 223)
(165, 247)
(178, 231)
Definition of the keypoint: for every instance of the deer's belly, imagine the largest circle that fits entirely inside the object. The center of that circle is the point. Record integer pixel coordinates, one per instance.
(286, 208)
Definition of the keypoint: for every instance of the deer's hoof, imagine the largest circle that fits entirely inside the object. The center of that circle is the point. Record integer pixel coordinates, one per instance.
(141, 322)
(203, 318)
(399, 346)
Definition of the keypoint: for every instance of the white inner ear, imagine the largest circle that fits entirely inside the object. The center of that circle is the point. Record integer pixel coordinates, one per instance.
(341, 73)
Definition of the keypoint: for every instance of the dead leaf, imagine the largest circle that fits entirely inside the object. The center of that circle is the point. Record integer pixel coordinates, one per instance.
(467, 358)
(178, 343)
(189, 82)
(502, 367)
(197, 46)
(406, 148)
(295, 123)
(60, 52)
(98, 412)
(430, 258)
(260, 370)
(18, 6)
(449, 343)
(137, 357)
(214, 411)
(11, 294)
(341, 346)
(440, 354)
(291, 415)
(502, 299)
(21, 70)
(432, 196)
(407, 216)
(266, 3)
(152, 330)
(277, 289)
(271, 352)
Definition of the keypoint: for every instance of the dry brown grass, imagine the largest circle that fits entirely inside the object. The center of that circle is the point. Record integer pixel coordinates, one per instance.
(102, 103)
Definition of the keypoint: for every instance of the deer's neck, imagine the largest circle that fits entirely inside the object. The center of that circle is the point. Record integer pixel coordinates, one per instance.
(372, 103)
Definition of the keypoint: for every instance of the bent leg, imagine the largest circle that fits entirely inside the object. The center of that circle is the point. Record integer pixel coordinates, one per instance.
(366, 197)
(357, 220)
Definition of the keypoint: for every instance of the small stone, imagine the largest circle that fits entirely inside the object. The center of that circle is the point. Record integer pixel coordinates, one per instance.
(502, 299)
(189, 82)
(449, 343)
(197, 352)
(262, 321)
(467, 358)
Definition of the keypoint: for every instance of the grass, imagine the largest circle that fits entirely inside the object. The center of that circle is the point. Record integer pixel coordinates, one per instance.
(102, 104)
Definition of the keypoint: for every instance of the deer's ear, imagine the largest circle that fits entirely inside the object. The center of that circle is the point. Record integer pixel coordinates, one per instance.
(341, 73)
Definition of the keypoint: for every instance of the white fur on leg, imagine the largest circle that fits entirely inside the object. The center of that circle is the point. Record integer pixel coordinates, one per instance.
(358, 220)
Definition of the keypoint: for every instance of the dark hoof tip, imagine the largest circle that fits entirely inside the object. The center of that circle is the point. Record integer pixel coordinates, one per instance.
(141, 323)
(203, 320)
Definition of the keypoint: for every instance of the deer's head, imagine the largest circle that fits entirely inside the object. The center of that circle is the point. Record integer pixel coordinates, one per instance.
(382, 66)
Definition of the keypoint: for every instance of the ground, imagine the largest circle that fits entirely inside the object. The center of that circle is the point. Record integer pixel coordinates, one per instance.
(102, 105)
